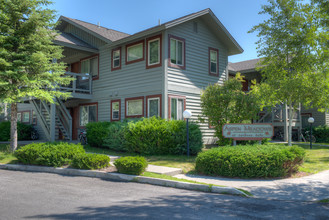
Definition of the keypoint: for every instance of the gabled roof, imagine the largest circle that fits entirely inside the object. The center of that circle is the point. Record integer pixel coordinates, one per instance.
(66, 39)
(108, 35)
(115, 37)
(244, 66)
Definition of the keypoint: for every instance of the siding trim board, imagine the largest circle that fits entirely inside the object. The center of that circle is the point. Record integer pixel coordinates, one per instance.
(116, 100)
(120, 59)
(89, 57)
(132, 44)
(134, 98)
(160, 102)
(169, 103)
(209, 62)
(182, 67)
(148, 66)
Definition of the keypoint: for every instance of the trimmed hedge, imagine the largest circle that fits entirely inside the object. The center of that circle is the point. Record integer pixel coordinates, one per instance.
(90, 161)
(131, 165)
(149, 136)
(23, 131)
(48, 154)
(250, 161)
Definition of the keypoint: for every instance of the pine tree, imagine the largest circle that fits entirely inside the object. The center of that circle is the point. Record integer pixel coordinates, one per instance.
(27, 56)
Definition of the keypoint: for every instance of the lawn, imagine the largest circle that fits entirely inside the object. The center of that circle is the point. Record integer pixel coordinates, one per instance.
(5, 155)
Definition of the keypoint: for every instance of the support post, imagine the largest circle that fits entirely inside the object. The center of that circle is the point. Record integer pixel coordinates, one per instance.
(52, 121)
(187, 139)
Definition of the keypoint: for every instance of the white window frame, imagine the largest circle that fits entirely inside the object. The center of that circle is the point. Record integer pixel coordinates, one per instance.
(183, 46)
(148, 106)
(183, 107)
(135, 45)
(149, 51)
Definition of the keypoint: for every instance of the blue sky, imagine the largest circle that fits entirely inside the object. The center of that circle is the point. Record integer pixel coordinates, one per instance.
(131, 16)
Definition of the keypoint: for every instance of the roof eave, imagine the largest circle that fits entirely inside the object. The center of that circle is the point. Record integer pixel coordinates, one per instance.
(75, 46)
(62, 18)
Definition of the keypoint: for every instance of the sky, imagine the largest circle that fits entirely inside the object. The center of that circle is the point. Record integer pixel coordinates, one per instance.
(131, 16)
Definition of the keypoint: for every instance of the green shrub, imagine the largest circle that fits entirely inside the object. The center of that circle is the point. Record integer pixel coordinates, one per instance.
(90, 161)
(115, 139)
(131, 165)
(23, 131)
(97, 132)
(250, 161)
(321, 133)
(153, 136)
(48, 154)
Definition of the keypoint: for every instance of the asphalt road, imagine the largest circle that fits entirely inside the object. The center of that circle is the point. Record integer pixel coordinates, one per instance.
(27, 195)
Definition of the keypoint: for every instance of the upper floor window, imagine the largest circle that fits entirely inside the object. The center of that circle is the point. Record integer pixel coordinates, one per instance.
(153, 51)
(88, 113)
(135, 52)
(135, 107)
(176, 52)
(115, 110)
(177, 107)
(213, 61)
(153, 105)
(34, 118)
(90, 66)
(116, 59)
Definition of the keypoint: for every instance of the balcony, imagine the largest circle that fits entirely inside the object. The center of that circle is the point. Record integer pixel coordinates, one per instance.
(81, 87)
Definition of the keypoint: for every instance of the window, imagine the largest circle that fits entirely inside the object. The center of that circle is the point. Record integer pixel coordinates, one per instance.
(176, 107)
(153, 105)
(135, 52)
(34, 118)
(176, 52)
(134, 107)
(115, 110)
(88, 113)
(116, 59)
(153, 51)
(19, 116)
(90, 66)
(25, 117)
(213, 62)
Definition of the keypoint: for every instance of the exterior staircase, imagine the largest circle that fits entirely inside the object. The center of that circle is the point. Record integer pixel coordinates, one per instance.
(62, 119)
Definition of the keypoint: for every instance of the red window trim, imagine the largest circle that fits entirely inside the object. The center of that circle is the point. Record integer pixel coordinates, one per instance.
(147, 102)
(132, 44)
(22, 116)
(84, 104)
(169, 103)
(116, 100)
(184, 52)
(87, 58)
(112, 67)
(148, 66)
(36, 118)
(134, 98)
(209, 62)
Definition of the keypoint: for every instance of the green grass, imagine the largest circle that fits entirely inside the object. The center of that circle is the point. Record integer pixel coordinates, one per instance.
(316, 160)
(5, 155)
(176, 161)
(324, 201)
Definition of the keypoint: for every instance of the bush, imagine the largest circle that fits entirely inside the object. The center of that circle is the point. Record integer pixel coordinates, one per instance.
(97, 132)
(115, 139)
(250, 161)
(23, 131)
(321, 133)
(48, 154)
(90, 161)
(153, 136)
(131, 165)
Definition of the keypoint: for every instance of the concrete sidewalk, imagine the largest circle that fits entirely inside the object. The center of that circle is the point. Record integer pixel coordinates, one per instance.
(309, 188)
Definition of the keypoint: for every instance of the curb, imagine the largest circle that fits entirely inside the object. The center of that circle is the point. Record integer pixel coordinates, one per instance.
(126, 177)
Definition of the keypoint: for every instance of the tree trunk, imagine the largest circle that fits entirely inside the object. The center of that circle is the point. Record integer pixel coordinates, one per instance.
(6, 112)
(13, 128)
(290, 115)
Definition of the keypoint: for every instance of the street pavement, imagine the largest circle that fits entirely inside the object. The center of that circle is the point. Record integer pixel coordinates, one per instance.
(29, 195)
